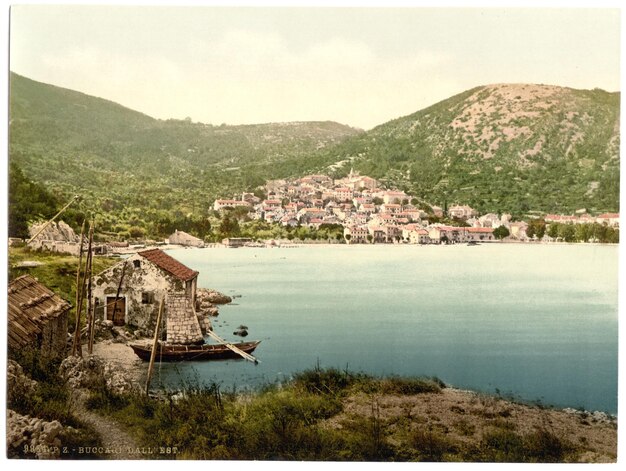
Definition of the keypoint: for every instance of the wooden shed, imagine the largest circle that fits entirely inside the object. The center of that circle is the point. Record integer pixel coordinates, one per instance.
(37, 317)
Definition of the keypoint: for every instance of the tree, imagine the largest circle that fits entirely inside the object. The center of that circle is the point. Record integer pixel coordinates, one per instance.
(136, 232)
(501, 232)
(229, 227)
(567, 232)
(553, 230)
(536, 228)
(28, 201)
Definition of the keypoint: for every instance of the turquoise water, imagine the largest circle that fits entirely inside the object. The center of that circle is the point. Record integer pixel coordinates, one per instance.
(535, 322)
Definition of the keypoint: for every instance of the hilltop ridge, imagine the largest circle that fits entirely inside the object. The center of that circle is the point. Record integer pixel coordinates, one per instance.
(515, 148)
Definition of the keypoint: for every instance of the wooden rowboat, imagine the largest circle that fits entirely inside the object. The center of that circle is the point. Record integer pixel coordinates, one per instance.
(202, 352)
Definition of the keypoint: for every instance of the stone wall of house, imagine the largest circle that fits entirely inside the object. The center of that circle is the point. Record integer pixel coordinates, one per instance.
(56, 246)
(143, 288)
(54, 337)
(182, 323)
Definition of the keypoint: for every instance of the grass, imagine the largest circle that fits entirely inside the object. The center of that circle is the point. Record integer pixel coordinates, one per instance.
(307, 419)
(311, 418)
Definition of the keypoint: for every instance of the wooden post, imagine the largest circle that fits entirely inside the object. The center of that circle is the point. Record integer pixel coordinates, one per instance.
(90, 305)
(154, 345)
(79, 290)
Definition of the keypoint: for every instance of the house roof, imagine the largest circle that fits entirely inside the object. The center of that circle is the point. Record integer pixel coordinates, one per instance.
(169, 264)
(31, 305)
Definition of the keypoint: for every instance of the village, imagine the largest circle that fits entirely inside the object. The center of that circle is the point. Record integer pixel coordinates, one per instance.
(143, 300)
(369, 213)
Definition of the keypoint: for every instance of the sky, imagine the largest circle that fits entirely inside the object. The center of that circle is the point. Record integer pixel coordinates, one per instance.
(356, 65)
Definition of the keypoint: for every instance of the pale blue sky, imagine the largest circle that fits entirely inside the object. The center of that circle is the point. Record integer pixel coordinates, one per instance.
(358, 66)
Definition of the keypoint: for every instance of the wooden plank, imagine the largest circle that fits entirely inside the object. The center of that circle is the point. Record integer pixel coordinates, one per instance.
(230, 346)
(76, 347)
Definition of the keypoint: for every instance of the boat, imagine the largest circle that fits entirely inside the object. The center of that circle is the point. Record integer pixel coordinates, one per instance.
(472, 242)
(206, 351)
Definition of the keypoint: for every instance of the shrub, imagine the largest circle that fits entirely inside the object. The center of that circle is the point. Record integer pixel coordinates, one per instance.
(544, 446)
(431, 446)
(408, 386)
(327, 381)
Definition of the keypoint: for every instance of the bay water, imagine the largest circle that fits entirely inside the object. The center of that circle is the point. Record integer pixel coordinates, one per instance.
(537, 323)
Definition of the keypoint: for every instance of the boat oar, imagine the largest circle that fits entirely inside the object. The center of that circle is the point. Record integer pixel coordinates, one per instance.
(237, 350)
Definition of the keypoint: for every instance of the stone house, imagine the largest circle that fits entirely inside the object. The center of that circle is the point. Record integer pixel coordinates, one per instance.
(37, 318)
(479, 234)
(358, 234)
(148, 278)
(56, 237)
(415, 234)
(518, 230)
(394, 196)
(222, 203)
(184, 239)
(461, 212)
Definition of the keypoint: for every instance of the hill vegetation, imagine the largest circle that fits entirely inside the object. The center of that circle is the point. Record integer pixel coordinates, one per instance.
(500, 148)
(135, 171)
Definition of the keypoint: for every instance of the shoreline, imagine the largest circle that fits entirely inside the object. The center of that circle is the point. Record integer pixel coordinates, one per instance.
(295, 245)
(121, 355)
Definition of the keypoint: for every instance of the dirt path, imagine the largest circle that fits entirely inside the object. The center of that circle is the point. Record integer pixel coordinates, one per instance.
(116, 443)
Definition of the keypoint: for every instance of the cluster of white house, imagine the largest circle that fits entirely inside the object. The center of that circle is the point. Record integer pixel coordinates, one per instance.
(369, 213)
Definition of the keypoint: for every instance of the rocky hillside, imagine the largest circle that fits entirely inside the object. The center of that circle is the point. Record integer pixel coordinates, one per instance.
(513, 147)
(505, 147)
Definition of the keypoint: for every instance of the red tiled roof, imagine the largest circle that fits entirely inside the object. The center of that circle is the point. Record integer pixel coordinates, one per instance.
(609, 215)
(169, 264)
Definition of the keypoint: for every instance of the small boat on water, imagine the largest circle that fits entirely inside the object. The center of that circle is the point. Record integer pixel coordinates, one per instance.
(472, 242)
(165, 352)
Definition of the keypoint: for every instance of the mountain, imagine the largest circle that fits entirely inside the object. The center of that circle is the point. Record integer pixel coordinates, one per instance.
(503, 147)
(120, 159)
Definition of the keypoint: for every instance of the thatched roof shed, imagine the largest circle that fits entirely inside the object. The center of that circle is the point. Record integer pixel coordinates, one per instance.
(36, 316)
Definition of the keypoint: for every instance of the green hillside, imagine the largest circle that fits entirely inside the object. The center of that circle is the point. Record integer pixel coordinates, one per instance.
(514, 148)
(510, 147)
(134, 170)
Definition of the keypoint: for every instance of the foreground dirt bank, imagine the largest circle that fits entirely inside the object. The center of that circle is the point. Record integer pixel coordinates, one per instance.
(452, 424)
(463, 419)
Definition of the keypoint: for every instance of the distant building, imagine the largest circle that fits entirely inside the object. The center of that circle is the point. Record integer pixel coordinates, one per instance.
(612, 219)
(221, 204)
(234, 242)
(394, 197)
(517, 230)
(358, 234)
(479, 234)
(37, 318)
(461, 212)
(414, 234)
(184, 239)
